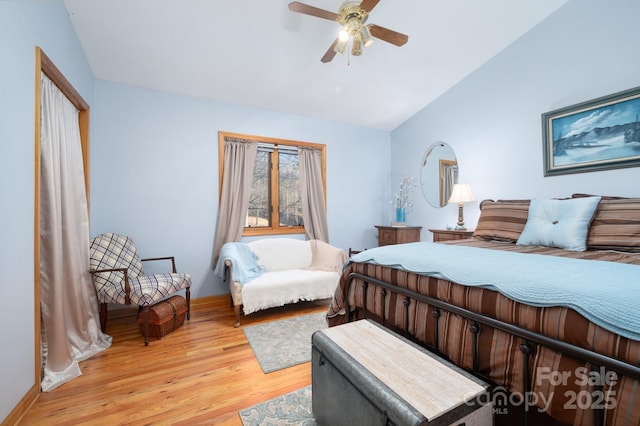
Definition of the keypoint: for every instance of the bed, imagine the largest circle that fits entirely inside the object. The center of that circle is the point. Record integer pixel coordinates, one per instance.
(555, 330)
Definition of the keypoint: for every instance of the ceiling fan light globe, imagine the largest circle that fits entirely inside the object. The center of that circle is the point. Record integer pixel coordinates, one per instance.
(356, 46)
(365, 34)
(343, 35)
(340, 46)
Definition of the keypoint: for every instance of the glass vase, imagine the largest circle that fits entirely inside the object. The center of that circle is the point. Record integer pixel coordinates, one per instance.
(400, 214)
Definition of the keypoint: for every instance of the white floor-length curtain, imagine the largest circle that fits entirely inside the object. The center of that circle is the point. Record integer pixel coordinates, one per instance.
(239, 162)
(69, 309)
(314, 210)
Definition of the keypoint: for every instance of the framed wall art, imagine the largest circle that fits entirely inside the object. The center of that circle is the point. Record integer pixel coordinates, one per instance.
(599, 134)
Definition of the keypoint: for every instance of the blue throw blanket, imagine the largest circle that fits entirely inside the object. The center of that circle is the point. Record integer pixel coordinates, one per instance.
(606, 293)
(245, 262)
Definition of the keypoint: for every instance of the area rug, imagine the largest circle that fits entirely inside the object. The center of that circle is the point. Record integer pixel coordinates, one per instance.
(284, 343)
(291, 409)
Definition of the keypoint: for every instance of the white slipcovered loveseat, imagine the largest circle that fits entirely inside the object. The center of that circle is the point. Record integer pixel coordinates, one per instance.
(273, 272)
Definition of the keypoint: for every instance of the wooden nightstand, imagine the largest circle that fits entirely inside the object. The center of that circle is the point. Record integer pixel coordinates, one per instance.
(388, 235)
(450, 234)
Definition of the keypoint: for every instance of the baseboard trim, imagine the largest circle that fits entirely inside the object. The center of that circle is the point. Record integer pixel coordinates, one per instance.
(22, 407)
(132, 311)
(211, 300)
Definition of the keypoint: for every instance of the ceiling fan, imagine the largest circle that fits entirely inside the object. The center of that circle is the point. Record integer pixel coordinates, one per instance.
(351, 16)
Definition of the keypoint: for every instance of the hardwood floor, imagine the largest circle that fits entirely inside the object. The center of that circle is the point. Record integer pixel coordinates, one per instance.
(202, 374)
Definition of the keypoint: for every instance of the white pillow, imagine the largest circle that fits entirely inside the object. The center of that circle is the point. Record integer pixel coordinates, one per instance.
(280, 254)
(559, 223)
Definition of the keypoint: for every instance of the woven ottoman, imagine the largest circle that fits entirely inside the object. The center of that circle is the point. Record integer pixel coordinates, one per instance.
(363, 374)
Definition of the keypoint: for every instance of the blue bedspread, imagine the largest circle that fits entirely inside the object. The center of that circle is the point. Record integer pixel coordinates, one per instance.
(245, 262)
(606, 293)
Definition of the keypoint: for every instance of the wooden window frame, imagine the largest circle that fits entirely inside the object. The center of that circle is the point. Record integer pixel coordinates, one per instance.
(274, 229)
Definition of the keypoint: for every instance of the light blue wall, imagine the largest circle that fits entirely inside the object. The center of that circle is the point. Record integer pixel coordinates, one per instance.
(154, 168)
(492, 119)
(24, 25)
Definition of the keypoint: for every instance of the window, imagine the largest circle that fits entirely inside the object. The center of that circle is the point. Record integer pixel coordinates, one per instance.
(274, 164)
(275, 203)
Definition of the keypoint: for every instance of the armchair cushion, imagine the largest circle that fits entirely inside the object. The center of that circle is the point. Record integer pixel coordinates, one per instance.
(112, 251)
(149, 289)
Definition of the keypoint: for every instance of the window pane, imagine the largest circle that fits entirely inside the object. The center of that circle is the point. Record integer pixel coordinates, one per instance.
(260, 197)
(290, 212)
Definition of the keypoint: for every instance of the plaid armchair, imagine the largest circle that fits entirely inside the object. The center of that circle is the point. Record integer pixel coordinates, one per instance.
(118, 277)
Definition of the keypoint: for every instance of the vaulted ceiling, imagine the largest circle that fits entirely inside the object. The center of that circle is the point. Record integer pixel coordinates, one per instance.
(258, 53)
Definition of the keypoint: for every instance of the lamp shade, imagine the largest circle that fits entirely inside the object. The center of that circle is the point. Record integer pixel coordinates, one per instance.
(461, 193)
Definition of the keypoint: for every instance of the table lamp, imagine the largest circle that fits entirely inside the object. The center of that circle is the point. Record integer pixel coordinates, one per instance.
(461, 194)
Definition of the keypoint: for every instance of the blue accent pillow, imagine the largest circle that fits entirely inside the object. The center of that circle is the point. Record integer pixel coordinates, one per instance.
(559, 223)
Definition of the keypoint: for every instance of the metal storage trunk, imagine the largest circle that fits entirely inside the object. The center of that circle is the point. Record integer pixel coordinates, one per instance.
(365, 374)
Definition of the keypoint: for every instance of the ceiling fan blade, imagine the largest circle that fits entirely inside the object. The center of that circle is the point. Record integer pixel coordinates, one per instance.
(329, 55)
(367, 5)
(388, 35)
(296, 6)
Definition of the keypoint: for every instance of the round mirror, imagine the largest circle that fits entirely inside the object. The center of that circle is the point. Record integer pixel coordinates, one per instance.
(438, 174)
